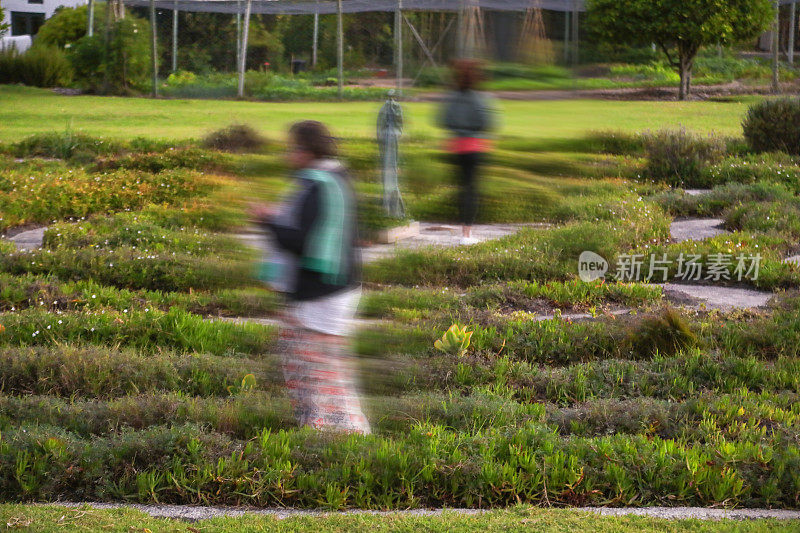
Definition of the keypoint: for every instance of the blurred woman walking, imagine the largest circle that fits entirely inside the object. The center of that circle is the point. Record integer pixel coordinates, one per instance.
(469, 117)
(316, 264)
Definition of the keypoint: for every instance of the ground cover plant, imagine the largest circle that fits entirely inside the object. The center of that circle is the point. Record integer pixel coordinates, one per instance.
(119, 381)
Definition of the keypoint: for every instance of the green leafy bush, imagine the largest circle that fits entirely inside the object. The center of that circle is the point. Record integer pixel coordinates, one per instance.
(40, 66)
(123, 67)
(679, 157)
(774, 125)
(235, 138)
(64, 146)
(68, 25)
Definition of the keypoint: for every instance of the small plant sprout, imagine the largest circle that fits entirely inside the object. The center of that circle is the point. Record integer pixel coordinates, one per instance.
(247, 385)
(455, 341)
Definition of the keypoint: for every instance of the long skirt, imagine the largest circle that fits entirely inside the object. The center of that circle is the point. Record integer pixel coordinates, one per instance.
(320, 377)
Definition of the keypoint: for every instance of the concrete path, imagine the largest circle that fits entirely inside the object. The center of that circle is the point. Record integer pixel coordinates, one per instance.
(696, 229)
(696, 192)
(194, 513)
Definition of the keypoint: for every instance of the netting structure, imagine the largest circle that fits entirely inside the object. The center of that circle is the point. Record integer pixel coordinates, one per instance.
(328, 7)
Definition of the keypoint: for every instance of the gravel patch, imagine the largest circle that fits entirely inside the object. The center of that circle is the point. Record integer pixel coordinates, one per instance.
(193, 513)
(696, 229)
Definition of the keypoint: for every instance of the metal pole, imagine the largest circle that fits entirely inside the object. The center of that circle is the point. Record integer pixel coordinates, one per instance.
(90, 19)
(175, 36)
(238, 33)
(339, 46)
(316, 41)
(776, 31)
(153, 49)
(792, 30)
(243, 45)
(398, 44)
(460, 34)
(575, 35)
(566, 37)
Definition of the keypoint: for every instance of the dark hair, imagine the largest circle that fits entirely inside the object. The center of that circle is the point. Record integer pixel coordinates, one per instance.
(313, 137)
(467, 73)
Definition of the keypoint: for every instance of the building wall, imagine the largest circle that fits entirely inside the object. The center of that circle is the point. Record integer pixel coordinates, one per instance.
(47, 7)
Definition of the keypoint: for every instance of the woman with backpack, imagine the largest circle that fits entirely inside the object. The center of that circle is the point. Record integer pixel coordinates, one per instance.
(315, 262)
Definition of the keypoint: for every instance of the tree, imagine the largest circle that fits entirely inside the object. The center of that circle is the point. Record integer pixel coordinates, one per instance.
(3, 27)
(679, 27)
(68, 25)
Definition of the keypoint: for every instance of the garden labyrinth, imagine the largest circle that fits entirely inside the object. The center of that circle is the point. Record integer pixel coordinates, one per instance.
(140, 357)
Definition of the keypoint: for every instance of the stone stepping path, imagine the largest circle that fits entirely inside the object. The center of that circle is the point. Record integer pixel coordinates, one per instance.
(193, 513)
(696, 229)
(30, 239)
(716, 297)
(430, 234)
(442, 235)
(696, 192)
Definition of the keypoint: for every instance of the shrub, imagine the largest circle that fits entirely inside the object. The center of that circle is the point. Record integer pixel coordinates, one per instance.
(616, 142)
(68, 25)
(40, 66)
(124, 67)
(774, 125)
(666, 334)
(235, 138)
(64, 146)
(679, 157)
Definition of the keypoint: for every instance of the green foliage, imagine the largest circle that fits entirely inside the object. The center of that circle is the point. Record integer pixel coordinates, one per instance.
(267, 86)
(123, 67)
(101, 373)
(68, 25)
(666, 334)
(83, 193)
(679, 27)
(40, 66)
(455, 341)
(235, 138)
(140, 327)
(678, 157)
(65, 145)
(3, 26)
(774, 125)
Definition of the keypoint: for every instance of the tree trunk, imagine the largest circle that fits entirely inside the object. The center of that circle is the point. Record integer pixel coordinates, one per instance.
(685, 68)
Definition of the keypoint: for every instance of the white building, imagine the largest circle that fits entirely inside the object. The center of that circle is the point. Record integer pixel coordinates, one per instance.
(25, 16)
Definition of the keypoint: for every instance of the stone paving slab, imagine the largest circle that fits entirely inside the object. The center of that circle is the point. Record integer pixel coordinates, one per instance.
(716, 297)
(430, 234)
(696, 229)
(30, 239)
(696, 192)
(444, 236)
(193, 513)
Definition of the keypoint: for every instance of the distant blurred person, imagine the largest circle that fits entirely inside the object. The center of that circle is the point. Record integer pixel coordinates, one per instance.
(316, 264)
(469, 117)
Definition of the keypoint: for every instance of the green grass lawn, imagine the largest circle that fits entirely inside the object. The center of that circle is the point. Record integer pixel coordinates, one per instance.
(26, 111)
(117, 385)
